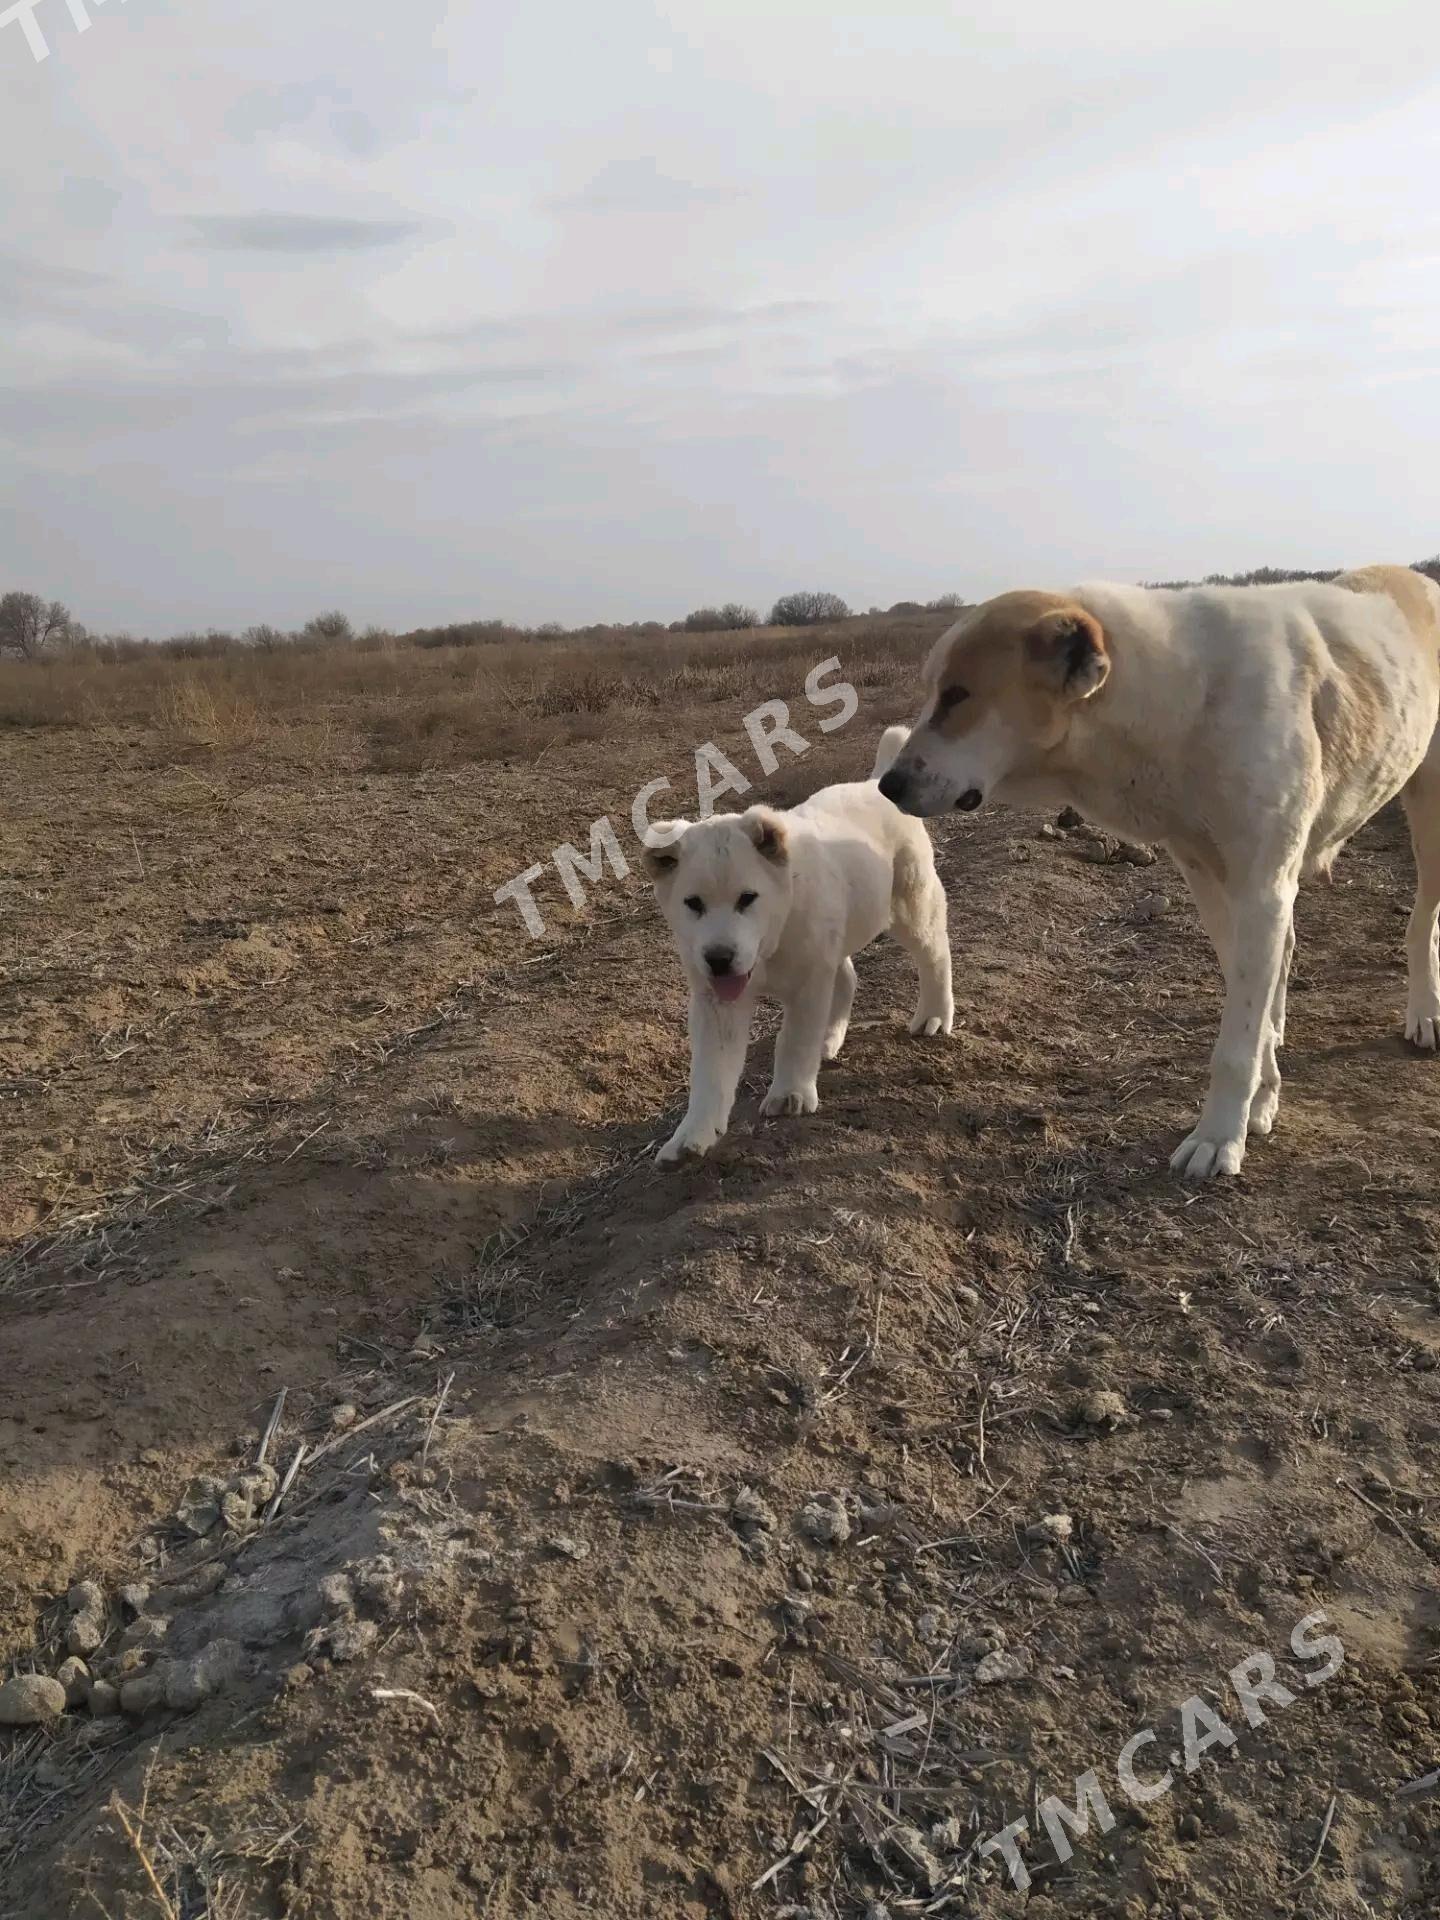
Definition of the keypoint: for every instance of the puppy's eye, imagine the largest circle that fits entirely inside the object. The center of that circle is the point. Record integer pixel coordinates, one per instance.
(695, 903)
(949, 698)
(745, 900)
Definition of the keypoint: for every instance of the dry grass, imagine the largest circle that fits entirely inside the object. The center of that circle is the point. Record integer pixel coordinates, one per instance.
(402, 707)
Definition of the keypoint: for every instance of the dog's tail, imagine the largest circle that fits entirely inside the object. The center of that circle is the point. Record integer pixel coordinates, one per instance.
(891, 741)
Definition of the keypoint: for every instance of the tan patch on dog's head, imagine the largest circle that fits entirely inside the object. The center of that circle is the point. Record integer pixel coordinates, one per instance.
(1029, 656)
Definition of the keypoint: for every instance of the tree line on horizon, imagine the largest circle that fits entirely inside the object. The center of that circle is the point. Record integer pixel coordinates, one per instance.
(33, 628)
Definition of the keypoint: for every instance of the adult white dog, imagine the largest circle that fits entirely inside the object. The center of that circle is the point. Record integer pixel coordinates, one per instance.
(1250, 730)
(774, 903)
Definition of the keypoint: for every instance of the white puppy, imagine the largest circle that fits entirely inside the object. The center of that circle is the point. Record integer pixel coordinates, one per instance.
(773, 903)
(1251, 730)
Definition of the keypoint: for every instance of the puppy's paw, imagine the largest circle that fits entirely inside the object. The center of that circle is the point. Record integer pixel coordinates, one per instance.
(790, 1100)
(834, 1041)
(1263, 1109)
(686, 1143)
(1422, 1025)
(1202, 1156)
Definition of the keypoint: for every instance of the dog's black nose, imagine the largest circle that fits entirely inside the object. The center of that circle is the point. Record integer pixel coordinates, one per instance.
(719, 959)
(892, 785)
(969, 800)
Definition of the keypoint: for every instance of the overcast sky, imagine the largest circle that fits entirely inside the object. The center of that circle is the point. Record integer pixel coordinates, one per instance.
(578, 311)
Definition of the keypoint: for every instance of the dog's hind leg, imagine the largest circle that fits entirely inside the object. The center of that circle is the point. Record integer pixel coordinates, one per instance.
(841, 1001)
(919, 925)
(1422, 807)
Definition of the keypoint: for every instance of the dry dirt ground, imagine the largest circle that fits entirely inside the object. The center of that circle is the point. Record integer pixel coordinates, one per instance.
(754, 1540)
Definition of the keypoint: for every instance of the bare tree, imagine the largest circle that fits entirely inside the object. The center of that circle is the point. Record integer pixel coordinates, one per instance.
(29, 624)
(944, 603)
(807, 609)
(731, 618)
(331, 626)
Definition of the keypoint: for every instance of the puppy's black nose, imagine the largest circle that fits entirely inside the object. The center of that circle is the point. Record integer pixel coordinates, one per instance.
(719, 959)
(892, 785)
(969, 800)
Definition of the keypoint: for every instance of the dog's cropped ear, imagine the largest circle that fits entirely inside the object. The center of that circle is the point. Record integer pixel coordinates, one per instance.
(770, 832)
(1068, 649)
(661, 852)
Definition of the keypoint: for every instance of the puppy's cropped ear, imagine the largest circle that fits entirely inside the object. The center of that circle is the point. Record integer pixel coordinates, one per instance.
(770, 832)
(1067, 648)
(661, 852)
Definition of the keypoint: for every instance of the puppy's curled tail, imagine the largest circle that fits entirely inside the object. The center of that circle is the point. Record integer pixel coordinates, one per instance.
(891, 741)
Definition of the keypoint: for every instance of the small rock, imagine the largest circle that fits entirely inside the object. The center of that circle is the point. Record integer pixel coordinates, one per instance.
(146, 1630)
(948, 1834)
(84, 1633)
(74, 1677)
(1151, 906)
(825, 1520)
(343, 1416)
(199, 1510)
(48, 1772)
(1067, 820)
(750, 1509)
(1052, 1529)
(351, 1639)
(1001, 1666)
(1134, 856)
(380, 1587)
(1103, 1408)
(877, 1910)
(336, 1593)
(104, 1699)
(188, 1682)
(928, 1627)
(86, 1596)
(568, 1548)
(198, 1587)
(258, 1485)
(1188, 1827)
(1047, 832)
(30, 1699)
(151, 1457)
(911, 1852)
(142, 1691)
(136, 1597)
(967, 1296)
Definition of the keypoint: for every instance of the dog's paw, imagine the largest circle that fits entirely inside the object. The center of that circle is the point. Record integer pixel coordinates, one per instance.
(792, 1100)
(1422, 1026)
(927, 1025)
(1263, 1109)
(686, 1143)
(834, 1041)
(1202, 1156)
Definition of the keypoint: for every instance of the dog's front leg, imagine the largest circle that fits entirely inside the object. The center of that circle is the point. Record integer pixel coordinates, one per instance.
(799, 1049)
(1260, 928)
(719, 1036)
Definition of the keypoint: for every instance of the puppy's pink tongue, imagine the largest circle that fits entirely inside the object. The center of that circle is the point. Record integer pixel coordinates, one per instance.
(729, 986)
